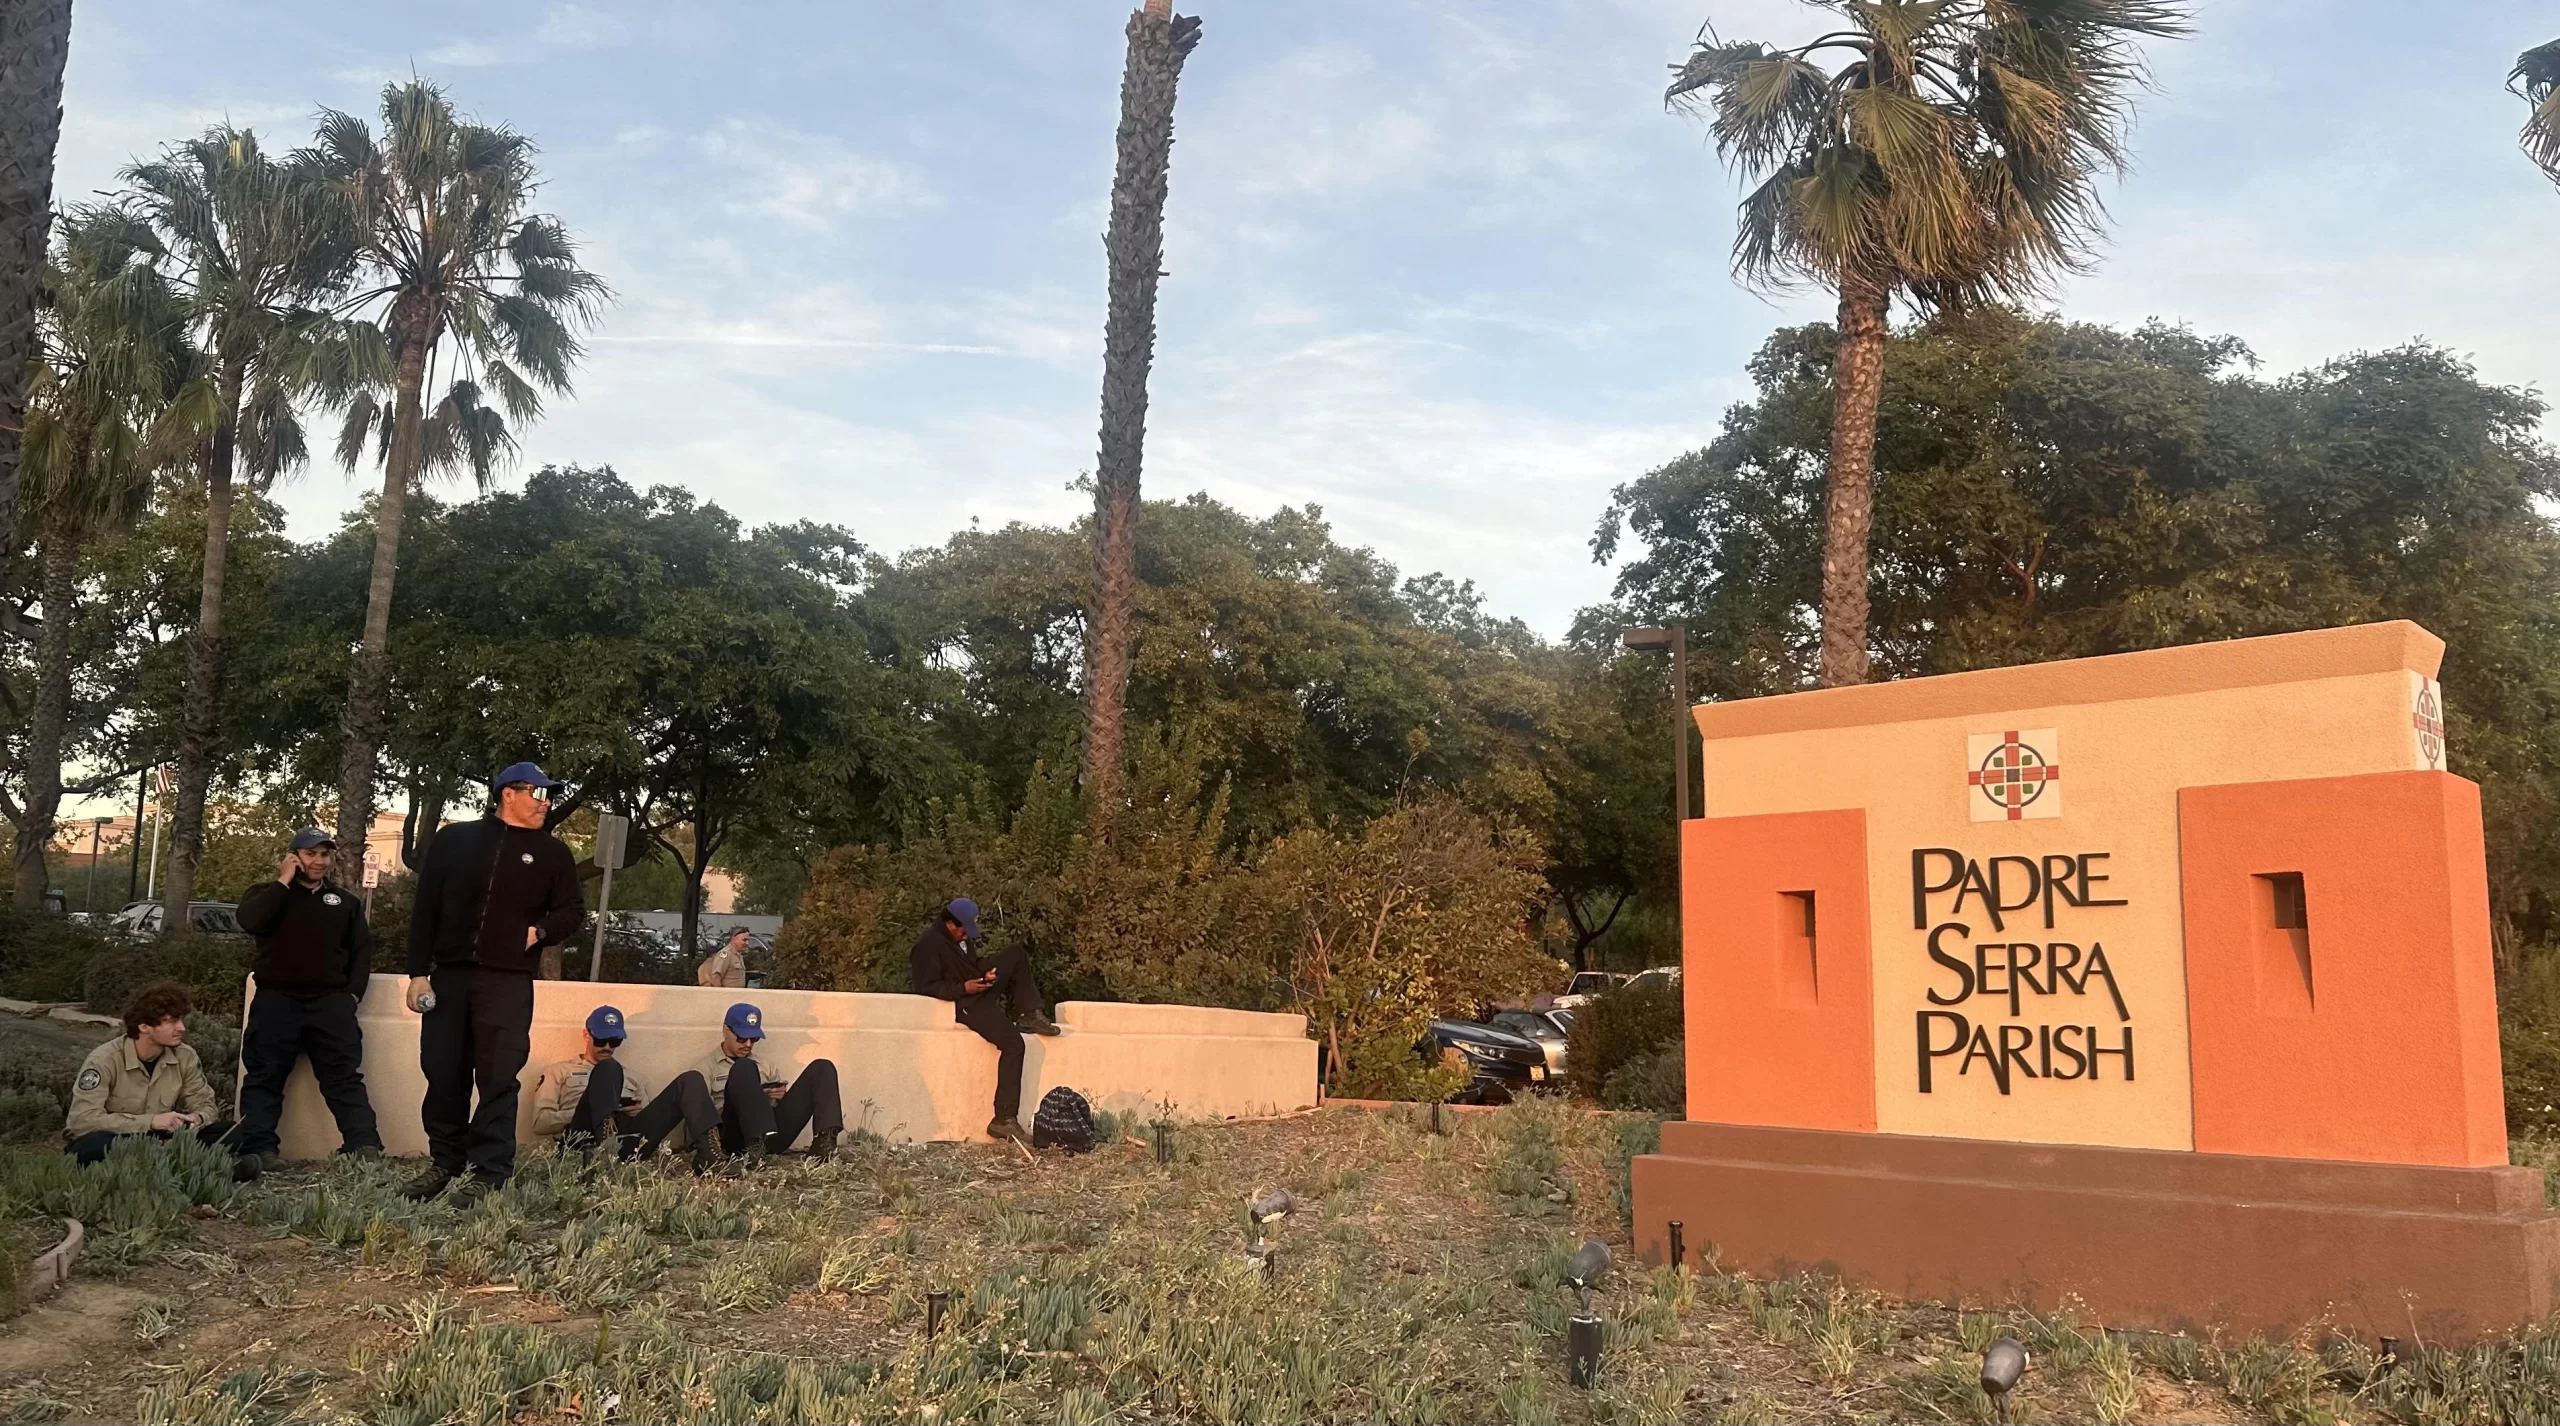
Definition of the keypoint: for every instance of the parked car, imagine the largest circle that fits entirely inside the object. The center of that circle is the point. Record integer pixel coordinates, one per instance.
(141, 919)
(1587, 983)
(1547, 1029)
(1501, 1064)
(1659, 975)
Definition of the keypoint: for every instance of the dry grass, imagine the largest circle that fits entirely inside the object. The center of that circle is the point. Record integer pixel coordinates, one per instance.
(1420, 1282)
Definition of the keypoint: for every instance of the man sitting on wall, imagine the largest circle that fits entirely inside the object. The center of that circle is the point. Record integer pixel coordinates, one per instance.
(590, 1094)
(996, 996)
(761, 1111)
(148, 1082)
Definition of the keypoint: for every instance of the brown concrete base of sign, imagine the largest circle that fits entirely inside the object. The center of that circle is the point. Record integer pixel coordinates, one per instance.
(2133, 1238)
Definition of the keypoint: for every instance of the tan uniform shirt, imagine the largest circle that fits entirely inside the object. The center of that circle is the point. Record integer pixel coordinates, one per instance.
(723, 967)
(715, 1072)
(113, 1091)
(564, 1083)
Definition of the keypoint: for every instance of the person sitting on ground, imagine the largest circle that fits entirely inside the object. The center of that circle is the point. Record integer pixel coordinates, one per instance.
(147, 1082)
(582, 1098)
(761, 1111)
(944, 966)
(727, 966)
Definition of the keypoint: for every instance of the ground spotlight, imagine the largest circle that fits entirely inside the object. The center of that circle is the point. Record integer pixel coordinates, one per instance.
(1267, 1208)
(1164, 1142)
(1675, 1244)
(1583, 1272)
(2002, 1368)
(935, 1303)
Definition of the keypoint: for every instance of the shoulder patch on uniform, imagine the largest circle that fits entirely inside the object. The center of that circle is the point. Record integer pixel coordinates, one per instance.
(89, 1079)
(330, 898)
(528, 859)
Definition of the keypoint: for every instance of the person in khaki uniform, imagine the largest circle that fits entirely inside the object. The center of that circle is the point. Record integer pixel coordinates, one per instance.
(727, 966)
(149, 1082)
(761, 1111)
(579, 1098)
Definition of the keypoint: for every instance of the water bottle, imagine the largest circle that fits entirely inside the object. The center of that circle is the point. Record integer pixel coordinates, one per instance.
(426, 1002)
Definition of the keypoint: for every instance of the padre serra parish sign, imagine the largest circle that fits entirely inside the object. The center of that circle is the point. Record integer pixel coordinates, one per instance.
(2211, 1042)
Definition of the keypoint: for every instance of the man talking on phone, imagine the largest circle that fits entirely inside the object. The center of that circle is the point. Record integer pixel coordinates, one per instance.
(491, 894)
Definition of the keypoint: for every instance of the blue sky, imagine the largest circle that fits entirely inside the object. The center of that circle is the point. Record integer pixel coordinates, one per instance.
(1440, 266)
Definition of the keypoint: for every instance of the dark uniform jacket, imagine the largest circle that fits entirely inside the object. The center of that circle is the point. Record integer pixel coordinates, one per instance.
(939, 965)
(312, 940)
(480, 885)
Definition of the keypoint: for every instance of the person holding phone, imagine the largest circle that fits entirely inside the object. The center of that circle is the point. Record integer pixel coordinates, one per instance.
(148, 1082)
(763, 1110)
(996, 996)
(591, 1094)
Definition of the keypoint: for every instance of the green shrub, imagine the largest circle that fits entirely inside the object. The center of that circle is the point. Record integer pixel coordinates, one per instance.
(44, 957)
(2529, 1035)
(214, 969)
(1656, 1082)
(1617, 1026)
(1636, 1137)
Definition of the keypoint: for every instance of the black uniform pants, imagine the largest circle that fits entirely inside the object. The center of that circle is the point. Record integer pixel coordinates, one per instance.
(638, 1131)
(282, 1028)
(89, 1148)
(810, 1103)
(477, 1037)
(992, 1012)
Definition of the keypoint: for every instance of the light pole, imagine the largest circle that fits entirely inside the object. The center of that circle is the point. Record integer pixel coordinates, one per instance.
(1674, 638)
(97, 831)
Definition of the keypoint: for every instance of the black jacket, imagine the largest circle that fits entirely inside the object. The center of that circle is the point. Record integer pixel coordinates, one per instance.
(938, 965)
(480, 885)
(312, 940)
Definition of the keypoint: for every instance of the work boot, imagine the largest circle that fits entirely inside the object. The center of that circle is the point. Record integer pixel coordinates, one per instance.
(268, 1163)
(247, 1169)
(472, 1190)
(426, 1185)
(705, 1159)
(1035, 1023)
(366, 1152)
(822, 1144)
(1006, 1129)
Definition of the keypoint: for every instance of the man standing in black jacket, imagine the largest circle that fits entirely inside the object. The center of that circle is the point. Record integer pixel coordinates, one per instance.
(315, 955)
(491, 894)
(981, 992)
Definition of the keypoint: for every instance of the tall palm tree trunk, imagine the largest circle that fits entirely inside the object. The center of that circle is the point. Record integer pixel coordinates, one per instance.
(369, 684)
(1857, 381)
(1134, 247)
(35, 42)
(52, 702)
(200, 726)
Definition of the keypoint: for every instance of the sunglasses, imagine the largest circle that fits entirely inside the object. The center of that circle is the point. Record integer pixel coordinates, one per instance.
(613, 1044)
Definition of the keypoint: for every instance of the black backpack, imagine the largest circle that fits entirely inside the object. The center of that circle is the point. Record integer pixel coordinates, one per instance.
(1064, 1121)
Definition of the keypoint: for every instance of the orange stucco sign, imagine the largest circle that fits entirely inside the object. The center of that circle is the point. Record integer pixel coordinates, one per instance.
(2217, 898)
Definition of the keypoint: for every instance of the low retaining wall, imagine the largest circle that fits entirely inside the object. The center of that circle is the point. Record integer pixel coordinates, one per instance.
(907, 1071)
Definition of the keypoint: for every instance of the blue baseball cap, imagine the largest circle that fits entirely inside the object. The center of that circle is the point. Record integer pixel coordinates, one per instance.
(744, 1021)
(310, 837)
(964, 911)
(604, 1023)
(526, 773)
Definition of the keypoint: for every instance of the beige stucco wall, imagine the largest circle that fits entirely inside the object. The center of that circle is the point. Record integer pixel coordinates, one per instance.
(1900, 753)
(906, 1070)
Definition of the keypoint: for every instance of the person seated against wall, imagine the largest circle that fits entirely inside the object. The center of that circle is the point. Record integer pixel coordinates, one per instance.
(147, 1082)
(996, 996)
(583, 1098)
(761, 1110)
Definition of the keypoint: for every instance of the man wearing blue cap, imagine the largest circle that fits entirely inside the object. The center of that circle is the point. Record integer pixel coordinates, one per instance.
(997, 996)
(591, 1094)
(490, 895)
(315, 956)
(761, 1110)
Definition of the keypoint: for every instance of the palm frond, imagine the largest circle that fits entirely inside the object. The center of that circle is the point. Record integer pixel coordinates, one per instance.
(2536, 80)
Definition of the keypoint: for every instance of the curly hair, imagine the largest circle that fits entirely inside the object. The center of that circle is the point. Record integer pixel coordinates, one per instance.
(160, 1000)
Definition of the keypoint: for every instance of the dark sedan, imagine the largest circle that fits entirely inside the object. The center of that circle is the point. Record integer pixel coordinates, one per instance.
(1499, 1063)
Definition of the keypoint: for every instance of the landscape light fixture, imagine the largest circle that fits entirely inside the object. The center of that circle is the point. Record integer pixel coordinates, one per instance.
(2002, 1368)
(1675, 1245)
(1672, 639)
(1164, 1141)
(1583, 1272)
(934, 1305)
(1265, 1208)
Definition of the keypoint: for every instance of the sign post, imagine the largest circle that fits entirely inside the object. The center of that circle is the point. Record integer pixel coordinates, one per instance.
(612, 835)
(372, 879)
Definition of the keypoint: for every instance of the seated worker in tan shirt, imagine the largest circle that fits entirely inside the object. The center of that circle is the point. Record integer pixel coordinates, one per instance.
(148, 1082)
(760, 1111)
(579, 1098)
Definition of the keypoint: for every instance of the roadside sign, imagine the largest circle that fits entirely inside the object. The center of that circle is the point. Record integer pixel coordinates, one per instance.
(372, 875)
(613, 836)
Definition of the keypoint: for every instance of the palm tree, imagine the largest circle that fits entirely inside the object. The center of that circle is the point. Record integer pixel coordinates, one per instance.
(447, 249)
(1159, 41)
(35, 43)
(116, 351)
(253, 248)
(1946, 151)
(2536, 79)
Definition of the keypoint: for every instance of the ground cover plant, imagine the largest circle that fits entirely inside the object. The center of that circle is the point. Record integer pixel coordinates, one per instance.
(1420, 1280)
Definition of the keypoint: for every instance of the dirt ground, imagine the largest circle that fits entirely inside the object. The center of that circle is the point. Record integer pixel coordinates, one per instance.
(1418, 1280)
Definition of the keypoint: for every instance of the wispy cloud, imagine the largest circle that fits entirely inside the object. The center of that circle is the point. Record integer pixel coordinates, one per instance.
(809, 180)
